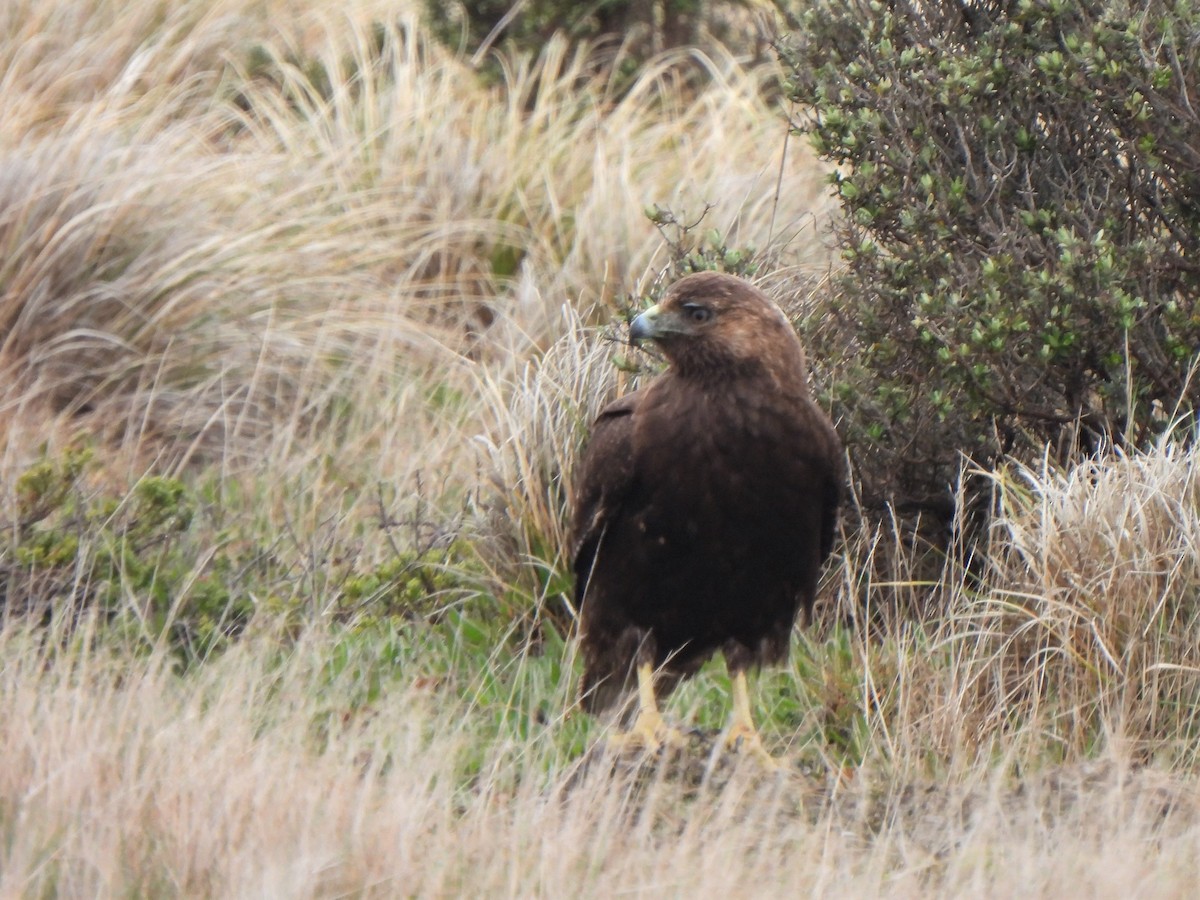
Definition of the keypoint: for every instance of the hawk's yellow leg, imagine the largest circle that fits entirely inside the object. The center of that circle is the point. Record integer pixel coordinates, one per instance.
(649, 732)
(742, 736)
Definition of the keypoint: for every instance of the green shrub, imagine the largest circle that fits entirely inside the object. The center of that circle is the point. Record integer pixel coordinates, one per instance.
(691, 250)
(159, 561)
(75, 549)
(422, 582)
(669, 23)
(1021, 183)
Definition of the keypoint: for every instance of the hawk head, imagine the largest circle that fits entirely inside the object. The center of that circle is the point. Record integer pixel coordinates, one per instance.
(715, 326)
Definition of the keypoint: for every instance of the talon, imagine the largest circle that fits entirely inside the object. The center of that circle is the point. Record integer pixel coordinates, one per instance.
(742, 737)
(650, 732)
(748, 743)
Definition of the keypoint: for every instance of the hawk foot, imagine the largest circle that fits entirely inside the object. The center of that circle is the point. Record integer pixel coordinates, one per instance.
(649, 734)
(743, 739)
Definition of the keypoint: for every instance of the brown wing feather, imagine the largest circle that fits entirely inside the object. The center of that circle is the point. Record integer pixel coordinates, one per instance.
(604, 475)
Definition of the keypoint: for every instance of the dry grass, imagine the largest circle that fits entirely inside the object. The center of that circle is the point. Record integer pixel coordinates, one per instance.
(305, 261)
(1099, 571)
(226, 240)
(121, 778)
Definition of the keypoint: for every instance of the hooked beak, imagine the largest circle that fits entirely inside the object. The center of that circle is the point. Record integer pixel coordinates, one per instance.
(646, 326)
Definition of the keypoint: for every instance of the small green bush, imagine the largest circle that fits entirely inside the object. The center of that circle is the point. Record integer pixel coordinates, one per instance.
(471, 23)
(422, 582)
(159, 562)
(1021, 183)
(75, 550)
(691, 250)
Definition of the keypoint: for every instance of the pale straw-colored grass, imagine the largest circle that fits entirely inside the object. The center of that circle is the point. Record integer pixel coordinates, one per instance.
(535, 424)
(1097, 594)
(247, 235)
(253, 778)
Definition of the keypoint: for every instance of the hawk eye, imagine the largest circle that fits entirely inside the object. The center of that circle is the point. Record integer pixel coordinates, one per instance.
(697, 314)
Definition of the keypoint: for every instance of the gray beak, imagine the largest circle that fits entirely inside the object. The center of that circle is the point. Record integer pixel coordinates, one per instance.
(645, 326)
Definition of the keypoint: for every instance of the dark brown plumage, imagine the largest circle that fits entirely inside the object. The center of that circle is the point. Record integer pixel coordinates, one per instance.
(706, 502)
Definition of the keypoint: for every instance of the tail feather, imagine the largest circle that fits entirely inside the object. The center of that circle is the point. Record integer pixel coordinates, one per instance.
(611, 656)
(614, 687)
(604, 687)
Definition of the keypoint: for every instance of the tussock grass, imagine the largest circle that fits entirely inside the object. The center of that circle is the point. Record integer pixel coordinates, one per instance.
(339, 306)
(254, 239)
(536, 423)
(253, 777)
(1070, 630)
(1100, 571)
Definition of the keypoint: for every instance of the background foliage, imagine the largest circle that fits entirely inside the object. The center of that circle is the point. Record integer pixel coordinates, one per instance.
(647, 25)
(1021, 183)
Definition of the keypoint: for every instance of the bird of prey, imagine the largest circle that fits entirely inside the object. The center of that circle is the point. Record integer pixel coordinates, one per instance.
(704, 507)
